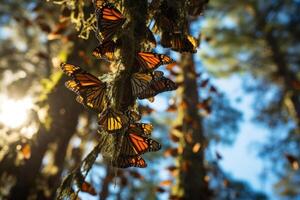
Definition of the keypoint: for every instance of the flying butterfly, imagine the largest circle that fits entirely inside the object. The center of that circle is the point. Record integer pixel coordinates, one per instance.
(90, 90)
(112, 120)
(110, 20)
(149, 61)
(179, 42)
(135, 143)
(158, 85)
(129, 161)
(140, 82)
(105, 50)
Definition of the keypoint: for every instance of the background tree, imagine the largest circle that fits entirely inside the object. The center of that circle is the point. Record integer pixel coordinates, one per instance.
(60, 133)
(258, 39)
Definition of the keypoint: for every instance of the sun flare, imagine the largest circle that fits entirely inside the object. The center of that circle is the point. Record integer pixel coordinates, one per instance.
(14, 113)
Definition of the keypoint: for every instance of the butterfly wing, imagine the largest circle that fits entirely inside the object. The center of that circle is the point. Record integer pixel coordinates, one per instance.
(158, 85)
(142, 128)
(136, 144)
(109, 20)
(140, 82)
(105, 50)
(90, 90)
(131, 161)
(179, 42)
(151, 61)
(112, 120)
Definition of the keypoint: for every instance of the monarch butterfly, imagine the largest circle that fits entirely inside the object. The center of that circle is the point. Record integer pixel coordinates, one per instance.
(109, 20)
(112, 120)
(179, 42)
(129, 161)
(143, 128)
(140, 82)
(157, 86)
(135, 143)
(105, 50)
(150, 61)
(90, 90)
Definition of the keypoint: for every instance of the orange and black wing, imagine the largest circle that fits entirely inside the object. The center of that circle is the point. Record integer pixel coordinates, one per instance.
(149, 61)
(105, 50)
(179, 42)
(112, 120)
(142, 128)
(90, 90)
(134, 144)
(140, 82)
(158, 85)
(129, 161)
(109, 20)
(163, 84)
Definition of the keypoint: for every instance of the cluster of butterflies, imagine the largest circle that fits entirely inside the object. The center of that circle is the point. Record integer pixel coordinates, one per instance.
(133, 137)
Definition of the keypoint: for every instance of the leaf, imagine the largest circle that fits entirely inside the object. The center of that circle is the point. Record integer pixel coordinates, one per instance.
(174, 137)
(204, 83)
(172, 168)
(196, 147)
(171, 66)
(160, 190)
(88, 188)
(26, 151)
(293, 161)
(213, 89)
(171, 152)
(219, 156)
(172, 108)
(165, 183)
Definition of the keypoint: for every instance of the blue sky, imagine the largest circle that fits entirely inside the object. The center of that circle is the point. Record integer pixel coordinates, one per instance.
(241, 159)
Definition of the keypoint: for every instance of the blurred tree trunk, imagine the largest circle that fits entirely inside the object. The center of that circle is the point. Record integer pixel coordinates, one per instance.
(63, 112)
(279, 58)
(190, 183)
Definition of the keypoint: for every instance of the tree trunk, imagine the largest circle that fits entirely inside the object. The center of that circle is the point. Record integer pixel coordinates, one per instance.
(279, 59)
(283, 71)
(190, 183)
(62, 108)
